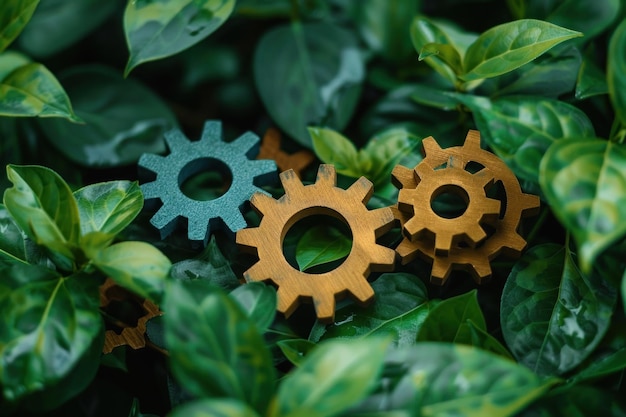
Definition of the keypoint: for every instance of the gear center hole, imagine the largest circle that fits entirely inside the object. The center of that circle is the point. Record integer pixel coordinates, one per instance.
(205, 179)
(449, 201)
(318, 243)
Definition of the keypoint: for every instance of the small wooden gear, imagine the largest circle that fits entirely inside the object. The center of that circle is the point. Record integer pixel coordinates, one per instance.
(270, 149)
(320, 198)
(463, 245)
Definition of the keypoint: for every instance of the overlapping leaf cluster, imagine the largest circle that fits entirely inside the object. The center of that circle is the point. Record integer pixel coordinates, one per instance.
(360, 84)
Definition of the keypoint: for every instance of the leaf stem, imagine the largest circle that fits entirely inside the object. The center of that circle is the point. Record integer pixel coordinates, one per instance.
(542, 218)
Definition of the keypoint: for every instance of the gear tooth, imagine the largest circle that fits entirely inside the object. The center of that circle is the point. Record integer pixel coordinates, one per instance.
(443, 243)
(515, 244)
(247, 144)
(151, 162)
(403, 177)
(413, 227)
(407, 251)
(530, 204)
(430, 145)
(175, 140)
(475, 235)
(212, 131)
(422, 170)
(291, 182)
(326, 175)
(198, 234)
(265, 171)
(151, 190)
(325, 307)
(405, 201)
(164, 221)
(256, 273)
(248, 239)
(364, 293)
(361, 190)
(491, 208)
(472, 139)
(287, 301)
(382, 258)
(382, 220)
(486, 176)
(262, 203)
(480, 270)
(440, 272)
(234, 221)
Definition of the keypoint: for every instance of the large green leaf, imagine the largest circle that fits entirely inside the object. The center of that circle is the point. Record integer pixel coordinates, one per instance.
(333, 377)
(157, 29)
(215, 350)
(136, 266)
(508, 46)
(123, 119)
(434, 379)
(108, 207)
(51, 322)
(584, 181)
(553, 316)
(591, 81)
(399, 309)
(258, 301)
(214, 407)
(14, 15)
(520, 129)
(616, 71)
(30, 89)
(309, 74)
(43, 206)
(320, 245)
(42, 37)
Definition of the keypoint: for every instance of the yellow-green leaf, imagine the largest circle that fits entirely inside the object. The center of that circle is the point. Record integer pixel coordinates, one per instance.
(616, 71)
(14, 15)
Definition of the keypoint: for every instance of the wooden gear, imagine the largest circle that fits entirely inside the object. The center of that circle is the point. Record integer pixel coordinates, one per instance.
(445, 253)
(270, 149)
(320, 198)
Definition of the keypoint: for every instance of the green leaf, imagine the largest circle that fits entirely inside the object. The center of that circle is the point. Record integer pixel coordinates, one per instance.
(215, 350)
(320, 245)
(12, 241)
(446, 52)
(519, 129)
(591, 81)
(424, 32)
(258, 301)
(211, 265)
(331, 147)
(584, 182)
(55, 319)
(108, 207)
(616, 71)
(30, 89)
(333, 377)
(123, 119)
(295, 350)
(42, 38)
(43, 206)
(136, 266)
(158, 29)
(508, 46)
(309, 74)
(590, 17)
(446, 320)
(434, 97)
(214, 407)
(553, 316)
(442, 379)
(614, 362)
(14, 15)
(399, 309)
(577, 401)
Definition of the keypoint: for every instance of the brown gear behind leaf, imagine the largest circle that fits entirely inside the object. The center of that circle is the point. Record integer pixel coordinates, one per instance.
(270, 149)
(476, 258)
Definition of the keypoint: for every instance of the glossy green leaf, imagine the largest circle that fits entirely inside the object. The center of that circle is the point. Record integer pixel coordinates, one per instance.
(12, 241)
(616, 71)
(553, 316)
(400, 306)
(211, 266)
(108, 207)
(591, 81)
(123, 119)
(424, 32)
(30, 89)
(508, 46)
(309, 74)
(214, 407)
(42, 37)
(442, 379)
(434, 97)
(320, 245)
(614, 362)
(577, 401)
(584, 181)
(136, 266)
(258, 301)
(384, 26)
(295, 350)
(446, 52)
(43, 206)
(215, 350)
(53, 323)
(520, 129)
(14, 15)
(333, 377)
(331, 147)
(157, 29)
(591, 17)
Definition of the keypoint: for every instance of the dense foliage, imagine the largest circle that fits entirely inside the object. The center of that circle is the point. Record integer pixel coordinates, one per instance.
(87, 87)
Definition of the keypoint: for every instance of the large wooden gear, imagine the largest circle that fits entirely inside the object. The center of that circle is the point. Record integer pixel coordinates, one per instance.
(320, 198)
(463, 245)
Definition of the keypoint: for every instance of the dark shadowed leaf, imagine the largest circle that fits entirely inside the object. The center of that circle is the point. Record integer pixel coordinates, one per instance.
(217, 352)
(336, 375)
(14, 15)
(258, 300)
(309, 74)
(577, 401)
(616, 71)
(295, 350)
(123, 119)
(584, 181)
(591, 81)
(553, 316)
(591, 17)
(157, 29)
(214, 407)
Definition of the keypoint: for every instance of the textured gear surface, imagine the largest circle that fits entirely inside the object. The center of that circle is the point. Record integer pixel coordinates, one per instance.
(504, 238)
(188, 158)
(320, 198)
